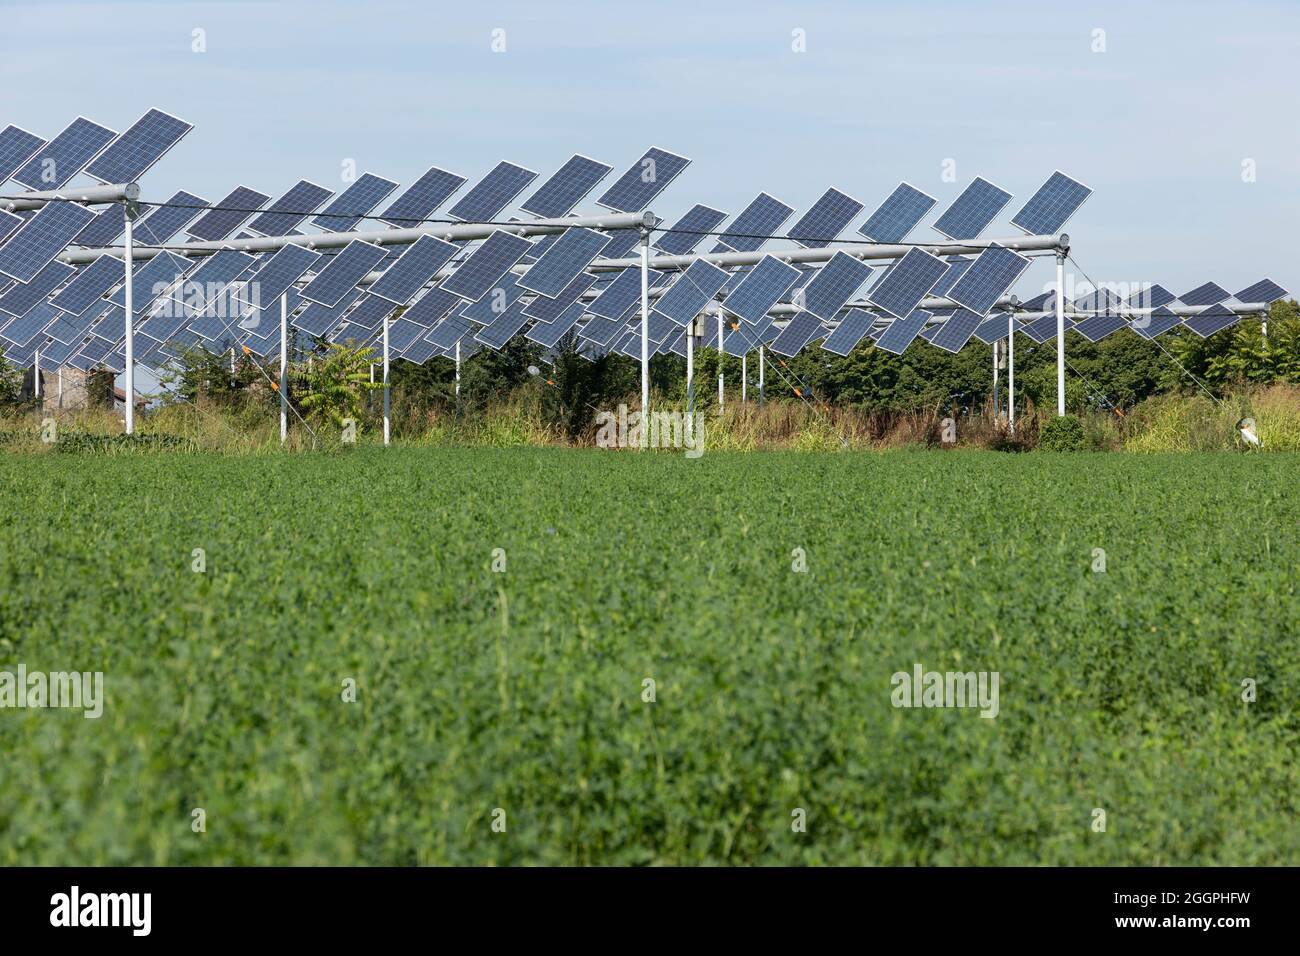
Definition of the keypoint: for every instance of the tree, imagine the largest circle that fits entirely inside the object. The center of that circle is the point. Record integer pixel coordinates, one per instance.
(329, 387)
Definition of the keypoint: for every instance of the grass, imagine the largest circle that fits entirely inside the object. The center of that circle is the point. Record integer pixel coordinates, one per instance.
(523, 690)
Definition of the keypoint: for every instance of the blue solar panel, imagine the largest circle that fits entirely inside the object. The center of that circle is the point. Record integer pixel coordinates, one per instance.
(228, 214)
(550, 333)
(486, 265)
(278, 274)
(1214, 319)
(691, 292)
(64, 156)
(1151, 297)
(16, 147)
(972, 211)
(169, 218)
(699, 220)
(104, 228)
(1055, 202)
(646, 178)
(354, 203)
(69, 328)
(801, 330)
(1157, 322)
(409, 274)
(898, 215)
(992, 328)
(151, 281)
(318, 318)
(1211, 293)
(132, 153)
(761, 289)
(907, 282)
(343, 272)
(90, 284)
(422, 197)
(549, 309)
(956, 330)
(827, 218)
(25, 328)
(505, 328)
(833, 285)
(601, 331)
(851, 330)
(433, 305)
(495, 302)
(289, 211)
(1044, 300)
(558, 195)
(565, 259)
(420, 351)
(621, 242)
(1265, 290)
(902, 332)
(957, 266)
(1097, 327)
(621, 295)
(1098, 300)
(995, 270)
(42, 238)
(1044, 328)
(8, 223)
(448, 332)
(762, 217)
(23, 297)
(497, 190)
(371, 310)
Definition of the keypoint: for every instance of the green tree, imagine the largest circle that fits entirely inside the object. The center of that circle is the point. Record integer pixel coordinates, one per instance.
(329, 386)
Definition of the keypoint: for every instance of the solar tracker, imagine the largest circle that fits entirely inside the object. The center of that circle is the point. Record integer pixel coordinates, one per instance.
(151, 280)
(417, 265)
(107, 225)
(907, 282)
(486, 265)
(422, 197)
(898, 215)
(448, 332)
(550, 333)
(548, 310)
(64, 156)
(1150, 297)
(957, 266)
(1265, 290)
(1214, 319)
(992, 328)
(762, 217)
(41, 238)
(228, 214)
(1055, 202)
(972, 211)
(343, 272)
(851, 330)
(761, 288)
(697, 221)
(506, 327)
(1211, 293)
(433, 305)
(318, 318)
(686, 298)
(278, 273)
(25, 328)
(289, 211)
(995, 270)
(801, 330)
(23, 297)
(901, 332)
(169, 218)
(1097, 327)
(565, 259)
(16, 147)
(497, 190)
(558, 195)
(136, 150)
(827, 218)
(833, 285)
(622, 294)
(601, 331)
(644, 180)
(1157, 322)
(497, 300)
(957, 330)
(354, 203)
(371, 310)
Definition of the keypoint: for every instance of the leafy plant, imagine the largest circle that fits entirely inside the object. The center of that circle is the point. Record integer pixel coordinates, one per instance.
(1062, 433)
(329, 387)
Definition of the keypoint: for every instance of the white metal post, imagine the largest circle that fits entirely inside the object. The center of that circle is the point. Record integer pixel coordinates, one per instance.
(645, 321)
(458, 376)
(284, 368)
(1011, 372)
(386, 422)
(1060, 334)
(721, 340)
(761, 363)
(36, 374)
(997, 399)
(690, 374)
(129, 381)
(744, 377)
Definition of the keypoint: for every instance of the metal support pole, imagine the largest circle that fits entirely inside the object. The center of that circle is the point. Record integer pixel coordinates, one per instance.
(997, 397)
(386, 397)
(128, 385)
(762, 351)
(744, 377)
(1011, 372)
(284, 368)
(36, 374)
(458, 376)
(690, 373)
(645, 321)
(721, 354)
(1060, 334)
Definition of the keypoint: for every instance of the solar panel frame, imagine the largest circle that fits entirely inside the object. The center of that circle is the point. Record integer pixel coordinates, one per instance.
(566, 187)
(1052, 205)
(631, 193)
(333, 281)
(822, 224)
(993, 328)
(622, 294)
(972, 212)
(419, 200)
(318, 318)
(493, 193)
(433, 306)
(852, 329)
(108, 224)
(22, 330)
(22, 297)
(419, 263)
(370, 310)
(993, 273)
(278, 274)
(505, 328)
(152, 281)
(41, 238)
(833, 286)
(694, 288)
(907, 282)
(568, 256)
(139, 148)
(761, 289)
(549, 334)
(359, 200)
(485, 266)
(1096, 327)
(900, 213)
(1150, 296)
(448, 331)
(76, 146)
(957, 267)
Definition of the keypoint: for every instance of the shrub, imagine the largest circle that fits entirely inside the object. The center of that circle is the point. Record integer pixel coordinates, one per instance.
(1064, 433)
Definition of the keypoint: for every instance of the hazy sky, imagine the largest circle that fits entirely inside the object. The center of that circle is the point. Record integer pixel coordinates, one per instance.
(1159, 123)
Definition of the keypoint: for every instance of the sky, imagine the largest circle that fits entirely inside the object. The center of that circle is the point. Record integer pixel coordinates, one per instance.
(1180, 116)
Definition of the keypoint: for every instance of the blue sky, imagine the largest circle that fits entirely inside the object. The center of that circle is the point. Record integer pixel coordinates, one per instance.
(1159, 124)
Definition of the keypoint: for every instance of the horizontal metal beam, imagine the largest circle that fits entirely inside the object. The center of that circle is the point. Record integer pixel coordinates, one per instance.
(92, 195)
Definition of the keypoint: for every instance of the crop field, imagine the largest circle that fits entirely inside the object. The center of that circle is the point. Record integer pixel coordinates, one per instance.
(502, 714)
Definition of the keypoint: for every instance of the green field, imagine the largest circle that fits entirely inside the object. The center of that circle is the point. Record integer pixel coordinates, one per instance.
(522, 690)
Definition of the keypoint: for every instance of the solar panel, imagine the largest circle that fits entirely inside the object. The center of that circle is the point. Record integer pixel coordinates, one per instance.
(136, 150)
(420, 351)
(107, 225)
(1265, 290)
(601, 331)
(833, 285)
(621, 242)
(995, 270)
(506, 327)
(497, 300)
(169, 218)
(64, 156)
(42, 238)
(417, 265)
(403, 333)
(433, 305)
(1098, 300)
(1055, 202)
(448, 332)
(550, 333)
(23, 297)
(761, 218)
(686, 298)
(762, 287)
(801, 330)
(1044, 300)
(957, 330)
(344, 271)
(902, 332)
(851, 330)
(422, 197)
(1214, 319)
(1097, 327)
(898, 215)
(644, 180)
(278, 274)
(698, 220)
(827, 218)
(497, 190)
(16, 147)
(228, 214)
(151, 281)
(318, 318)
(354, 203)
(8, 223)
(558, 195)
(992, 328)
(972, 211)
(622, 294)
(1157, 322)
(1044, 328)
(549, 309)
(486, 265)
(957, 266)
(25, 328)
(1150, 297)
(1211, 293)
(289, 211)
(907, 282)
(371, 310)
(89, 285)
(565, 259)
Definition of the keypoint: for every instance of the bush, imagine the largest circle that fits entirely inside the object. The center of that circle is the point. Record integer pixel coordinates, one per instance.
(1064, 433)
